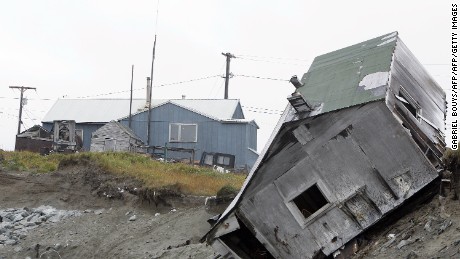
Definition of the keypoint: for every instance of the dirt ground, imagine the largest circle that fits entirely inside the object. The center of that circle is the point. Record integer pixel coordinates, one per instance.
(170, 228)
(430, 230)
(170, 225)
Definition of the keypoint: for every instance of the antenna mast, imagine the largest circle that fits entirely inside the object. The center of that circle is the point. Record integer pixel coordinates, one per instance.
(151, 78)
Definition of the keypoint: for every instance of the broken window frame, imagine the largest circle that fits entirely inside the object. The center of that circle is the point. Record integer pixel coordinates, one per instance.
(79, 132)
(407, 100)
(179, 133)
(297, 213)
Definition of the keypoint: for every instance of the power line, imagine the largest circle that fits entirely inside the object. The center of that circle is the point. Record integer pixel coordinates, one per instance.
(216, 81)
(187, 81)
(161, 85)
(279, 58)
(28, 99)
(9, 115)
(33, 115)
(269, 61)
(260, 108)
(266, 78)
(28, 116)
(255, 111)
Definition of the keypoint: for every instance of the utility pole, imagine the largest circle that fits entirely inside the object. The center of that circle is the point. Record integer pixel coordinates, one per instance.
(21, 103)
(227, 72)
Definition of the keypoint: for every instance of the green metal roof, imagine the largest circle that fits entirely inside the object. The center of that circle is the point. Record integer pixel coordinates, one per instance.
(349, 76)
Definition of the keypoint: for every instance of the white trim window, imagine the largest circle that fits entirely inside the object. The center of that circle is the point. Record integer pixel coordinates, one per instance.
(308, 203)
(180, 132)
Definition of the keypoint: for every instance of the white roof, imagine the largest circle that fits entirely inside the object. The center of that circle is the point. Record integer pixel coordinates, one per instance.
(218, 109)
(105, 110)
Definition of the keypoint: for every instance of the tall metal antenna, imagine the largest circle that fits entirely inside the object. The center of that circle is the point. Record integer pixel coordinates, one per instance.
(151, 76)
(131, 97)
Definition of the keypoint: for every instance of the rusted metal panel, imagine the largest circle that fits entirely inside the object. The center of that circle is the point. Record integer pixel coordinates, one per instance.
(32, 144)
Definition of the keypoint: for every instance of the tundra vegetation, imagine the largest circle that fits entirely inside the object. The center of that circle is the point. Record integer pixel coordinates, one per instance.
(190, 180)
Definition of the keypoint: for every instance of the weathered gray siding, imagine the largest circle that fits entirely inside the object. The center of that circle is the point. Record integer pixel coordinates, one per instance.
(213, 136)
(113, 132)
(373, 141)
(363, 158)
(407, 72)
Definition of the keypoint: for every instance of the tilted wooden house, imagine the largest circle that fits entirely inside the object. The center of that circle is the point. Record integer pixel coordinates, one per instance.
(363, 133)
(116, 137)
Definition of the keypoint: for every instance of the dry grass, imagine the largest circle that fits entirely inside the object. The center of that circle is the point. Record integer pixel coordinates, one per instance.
(28, 161)
(191, 180)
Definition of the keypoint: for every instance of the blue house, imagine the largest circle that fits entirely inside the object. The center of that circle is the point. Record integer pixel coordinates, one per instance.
(202, 125)
(215, 126)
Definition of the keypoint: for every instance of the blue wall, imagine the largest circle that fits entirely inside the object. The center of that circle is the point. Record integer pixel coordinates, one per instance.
(213, 136)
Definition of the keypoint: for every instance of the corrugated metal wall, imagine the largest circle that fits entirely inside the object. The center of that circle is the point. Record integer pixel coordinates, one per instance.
(213, 136)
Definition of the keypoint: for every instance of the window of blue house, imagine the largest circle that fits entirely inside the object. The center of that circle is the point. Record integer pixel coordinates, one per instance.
(179, 132)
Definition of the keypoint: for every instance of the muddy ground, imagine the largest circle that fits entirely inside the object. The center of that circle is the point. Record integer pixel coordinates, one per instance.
(428, 230)
(162, 227)
(167, 225)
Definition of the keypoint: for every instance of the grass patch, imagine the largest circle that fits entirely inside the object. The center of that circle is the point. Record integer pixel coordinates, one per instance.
(227, 191)
(189, 179)
(28, 161)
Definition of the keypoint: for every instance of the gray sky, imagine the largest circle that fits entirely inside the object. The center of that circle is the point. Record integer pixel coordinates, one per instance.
(85, 48)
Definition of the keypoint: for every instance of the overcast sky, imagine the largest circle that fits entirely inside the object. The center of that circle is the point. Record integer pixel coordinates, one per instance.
(70, 49)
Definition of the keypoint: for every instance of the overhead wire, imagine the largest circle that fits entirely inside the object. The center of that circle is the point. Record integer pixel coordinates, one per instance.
(266, 78)
(28, 116)
(9, 115)
(221, 70)
(31, 113)
(260, 108)
(280, 58)
(269, 61)
(161, 85)
(29, 99)
(256, 111)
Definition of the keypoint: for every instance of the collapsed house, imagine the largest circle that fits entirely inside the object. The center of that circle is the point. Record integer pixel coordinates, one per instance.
(34, 139)
(362, 134)
(63, 137)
